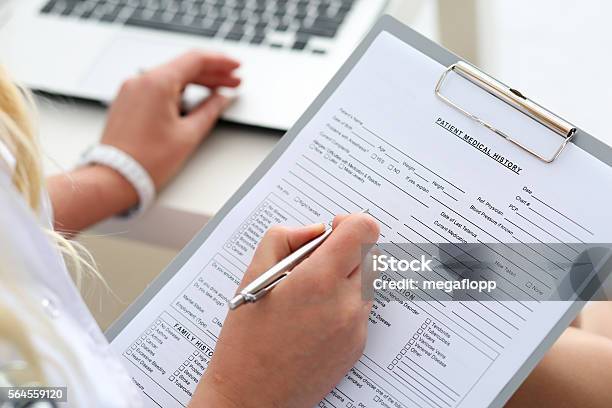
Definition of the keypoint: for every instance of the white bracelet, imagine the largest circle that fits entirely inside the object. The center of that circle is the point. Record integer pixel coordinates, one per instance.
(128, 167)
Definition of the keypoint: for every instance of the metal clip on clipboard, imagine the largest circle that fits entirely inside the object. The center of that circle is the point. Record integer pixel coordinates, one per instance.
(515, 99)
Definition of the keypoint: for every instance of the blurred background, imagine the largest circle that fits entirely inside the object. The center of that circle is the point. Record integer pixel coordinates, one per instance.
(554, 51)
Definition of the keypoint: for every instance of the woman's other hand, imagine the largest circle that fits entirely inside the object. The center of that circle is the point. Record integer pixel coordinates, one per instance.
(145, 119)
(290, 348)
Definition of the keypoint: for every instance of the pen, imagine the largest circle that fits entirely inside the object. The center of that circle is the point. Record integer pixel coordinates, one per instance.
(273, 276)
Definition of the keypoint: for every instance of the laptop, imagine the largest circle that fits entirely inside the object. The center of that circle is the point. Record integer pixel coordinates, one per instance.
(289, 49)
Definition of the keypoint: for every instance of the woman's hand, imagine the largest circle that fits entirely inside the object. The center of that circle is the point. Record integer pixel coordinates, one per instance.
(144, 121)
(292, 347)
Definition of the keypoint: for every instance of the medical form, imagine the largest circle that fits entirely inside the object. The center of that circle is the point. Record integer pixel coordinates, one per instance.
(427, 173)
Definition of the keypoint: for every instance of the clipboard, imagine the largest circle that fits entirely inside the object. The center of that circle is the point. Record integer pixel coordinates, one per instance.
(564, 129)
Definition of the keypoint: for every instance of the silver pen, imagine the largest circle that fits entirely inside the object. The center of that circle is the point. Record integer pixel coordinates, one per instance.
(273, 276)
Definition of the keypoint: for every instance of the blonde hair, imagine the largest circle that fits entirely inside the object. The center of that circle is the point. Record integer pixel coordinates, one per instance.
(18, 133)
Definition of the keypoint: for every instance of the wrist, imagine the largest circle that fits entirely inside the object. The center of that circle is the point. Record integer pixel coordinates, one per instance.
(207, 396)
(87, 195)
(218, 390)
(128, 168)
(112, 187)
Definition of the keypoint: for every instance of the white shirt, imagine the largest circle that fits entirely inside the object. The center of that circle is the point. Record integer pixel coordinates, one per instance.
(36, 288)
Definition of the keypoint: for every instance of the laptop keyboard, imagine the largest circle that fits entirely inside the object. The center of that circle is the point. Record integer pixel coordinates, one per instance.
(296, 24)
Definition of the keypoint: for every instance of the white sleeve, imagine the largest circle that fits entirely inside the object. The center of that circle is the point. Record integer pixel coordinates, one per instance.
(36, 288)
